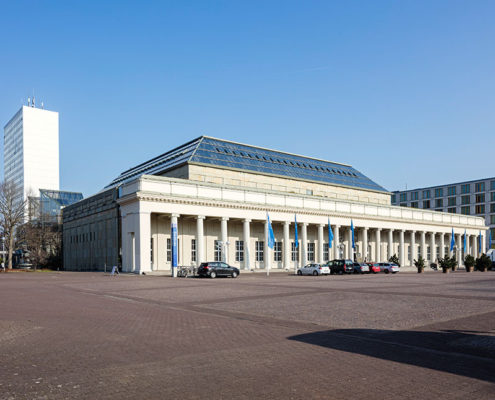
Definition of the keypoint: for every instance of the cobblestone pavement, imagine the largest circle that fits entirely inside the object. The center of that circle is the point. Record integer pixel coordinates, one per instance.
(94, 336)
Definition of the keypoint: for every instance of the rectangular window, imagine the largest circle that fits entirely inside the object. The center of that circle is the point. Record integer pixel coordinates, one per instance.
(492, 209)
(294, 251)
(403, 197)
(239, 250)
(393, 198)
(451, 201)
(403, 204)
(169, 250)
(414, 195)
(492, 187)
(260, 249)
(466, 210)
(492, 220)
(480, 198)
(465, 199)
(325, 252)
(451, 190)
(439, 192)
(311, 252)
(466, 188)
(479, 187)
(492, 196)
(277, 251)
(426, 194)
(439, 203)
(480, 209)
(451, 210)
(217, 248)
(428, 253)
(193, 250)
(414, 204)
(426, 203)
(446, 250)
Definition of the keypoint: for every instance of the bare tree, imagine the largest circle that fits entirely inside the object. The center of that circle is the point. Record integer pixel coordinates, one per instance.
(12, 213)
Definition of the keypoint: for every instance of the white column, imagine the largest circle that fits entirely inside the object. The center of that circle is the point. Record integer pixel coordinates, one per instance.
(224, 239)
(350, 250)
(304, 239)
(320, 243)
(287, 247)
(174, 234)
(442, 245)
(266, 252)
(413, 247)
(378, 245)
(402, 249)
(247, 239)
(433, 248)
(365, 244)
(390, 243)
(200, 239)
(336, 241)
(475, 246)
(423, 245)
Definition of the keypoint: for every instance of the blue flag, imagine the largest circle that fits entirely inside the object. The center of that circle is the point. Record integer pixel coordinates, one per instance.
(465, 243)
(271, 236)
(330, 235)
(352, 232)
(295, 227)
(452, 241)
(490, 239)
(479, 242)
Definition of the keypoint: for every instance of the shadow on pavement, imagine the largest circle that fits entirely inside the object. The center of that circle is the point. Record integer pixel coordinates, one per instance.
(466, 353)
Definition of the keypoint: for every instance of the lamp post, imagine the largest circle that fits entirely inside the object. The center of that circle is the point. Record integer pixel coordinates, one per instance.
(341, 250)
(3, 253)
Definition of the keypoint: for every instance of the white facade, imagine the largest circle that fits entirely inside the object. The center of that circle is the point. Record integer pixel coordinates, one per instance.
(206, 213)
(31, 150)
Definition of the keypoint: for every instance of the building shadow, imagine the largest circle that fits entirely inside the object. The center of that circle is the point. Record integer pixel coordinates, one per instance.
(460, 352)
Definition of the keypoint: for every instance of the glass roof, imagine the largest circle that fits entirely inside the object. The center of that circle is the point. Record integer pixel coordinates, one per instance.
(216, 152)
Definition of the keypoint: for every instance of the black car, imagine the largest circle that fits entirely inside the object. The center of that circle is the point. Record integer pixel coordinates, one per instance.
(217, 268)
(340, 266)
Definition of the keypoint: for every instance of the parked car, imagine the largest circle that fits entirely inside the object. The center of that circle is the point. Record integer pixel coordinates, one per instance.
(361, 268)
(314, 269)
(374, 267)
(389, 268)
(340, 266)
(217, 268)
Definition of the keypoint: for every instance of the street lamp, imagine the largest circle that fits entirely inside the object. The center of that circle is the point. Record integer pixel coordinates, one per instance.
(341, 250)
(3, 253)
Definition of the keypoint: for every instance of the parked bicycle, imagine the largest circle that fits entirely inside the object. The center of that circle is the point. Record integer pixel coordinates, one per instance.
(184, 272)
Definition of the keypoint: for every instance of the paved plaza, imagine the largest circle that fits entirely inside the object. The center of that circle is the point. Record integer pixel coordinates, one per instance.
(71, 335)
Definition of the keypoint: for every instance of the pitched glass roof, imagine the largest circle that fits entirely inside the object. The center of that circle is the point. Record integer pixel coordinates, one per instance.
(216, 152)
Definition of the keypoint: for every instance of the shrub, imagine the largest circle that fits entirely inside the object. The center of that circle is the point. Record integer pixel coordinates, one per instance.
(483, 263)
(394, 259)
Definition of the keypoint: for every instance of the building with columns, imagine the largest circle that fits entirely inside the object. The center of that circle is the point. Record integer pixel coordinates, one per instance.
(208, 200)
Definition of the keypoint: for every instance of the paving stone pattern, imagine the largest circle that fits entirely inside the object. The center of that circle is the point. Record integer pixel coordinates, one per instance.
(71, 335)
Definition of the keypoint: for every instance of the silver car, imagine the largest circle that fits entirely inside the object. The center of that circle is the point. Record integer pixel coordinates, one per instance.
(314, 269)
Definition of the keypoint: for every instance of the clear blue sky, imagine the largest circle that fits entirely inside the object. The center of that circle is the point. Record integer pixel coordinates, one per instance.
(402, 90)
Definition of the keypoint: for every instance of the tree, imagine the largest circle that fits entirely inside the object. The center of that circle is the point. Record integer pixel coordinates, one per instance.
(12, 213)
(394, 259)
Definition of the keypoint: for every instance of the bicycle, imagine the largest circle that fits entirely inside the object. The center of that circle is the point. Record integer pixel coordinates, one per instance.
(184, 272)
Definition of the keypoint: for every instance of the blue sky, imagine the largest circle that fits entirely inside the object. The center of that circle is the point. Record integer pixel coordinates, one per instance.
(402, 90)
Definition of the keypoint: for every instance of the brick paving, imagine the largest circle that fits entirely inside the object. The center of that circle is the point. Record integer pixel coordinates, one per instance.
(93, 336)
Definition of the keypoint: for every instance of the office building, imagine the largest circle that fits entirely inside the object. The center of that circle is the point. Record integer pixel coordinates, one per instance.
(476, 197)
(209, 199)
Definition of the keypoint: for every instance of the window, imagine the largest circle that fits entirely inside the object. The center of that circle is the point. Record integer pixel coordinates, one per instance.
(295, 252)
(451, 190)
(217, 248)
(325, 252)
(394, 198)
(465, 188)
(480, 209)
(480, 198)
(169, 250)
(492, 196)
(492, 187)
(428, 253)
(492, 209)
(439, 192)
(403, 204)
(277, 251)
(492, 219)
(260, 245)
(451, 201)
(151, 250)
(311, 251)
(426, 203)
(193, 250)
(403, 197)
(451, 210)
(479, 187)
(414, 204)
(465, 199)
(426, 194)
(439, 203)
(466, 210)
(239, 250)
(414, 195)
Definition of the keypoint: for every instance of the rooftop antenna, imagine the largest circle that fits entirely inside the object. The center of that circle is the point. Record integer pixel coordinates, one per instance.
(29, 101)
(42, 106)
(34, 104)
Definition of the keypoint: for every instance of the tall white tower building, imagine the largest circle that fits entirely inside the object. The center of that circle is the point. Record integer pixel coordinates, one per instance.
(31, 153)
